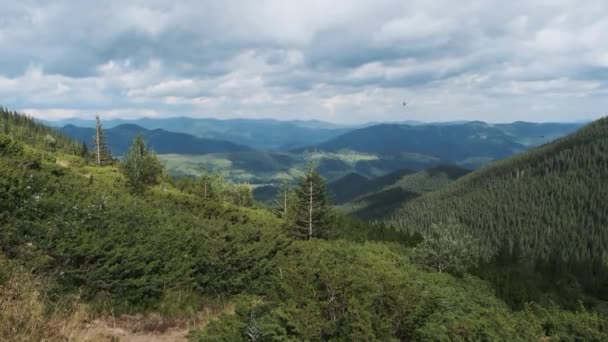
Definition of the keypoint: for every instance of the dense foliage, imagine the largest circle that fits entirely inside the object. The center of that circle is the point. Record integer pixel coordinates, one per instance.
(26, 129)
(384, 196)
(214, 187)
(78, 227)
(447, 248)
(310, 214)
(140, 166)
(341, 291)
(548, 205)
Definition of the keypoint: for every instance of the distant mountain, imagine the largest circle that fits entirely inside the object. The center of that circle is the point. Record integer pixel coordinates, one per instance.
(119, 139)
(261, 134)
(457, 143)
(534, 134)
(354, 185)
(470, 144)
(348, 187)
(392, 191)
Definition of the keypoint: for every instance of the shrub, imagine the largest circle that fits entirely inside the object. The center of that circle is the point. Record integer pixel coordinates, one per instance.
(447, 248)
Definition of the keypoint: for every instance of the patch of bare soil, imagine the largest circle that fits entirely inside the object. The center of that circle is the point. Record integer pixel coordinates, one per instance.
(148, 328)
(138, 328)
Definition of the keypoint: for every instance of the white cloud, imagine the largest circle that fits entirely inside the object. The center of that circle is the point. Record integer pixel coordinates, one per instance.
(340, 60)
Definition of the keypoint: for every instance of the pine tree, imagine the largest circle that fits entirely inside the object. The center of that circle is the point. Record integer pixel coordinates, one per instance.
(313, 213)
(102, 154)
(141, 166)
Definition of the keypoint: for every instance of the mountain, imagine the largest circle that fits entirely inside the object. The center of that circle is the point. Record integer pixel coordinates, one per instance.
(469, 144)
(392, 191)
(354, 185)
(535, 134)
(548, 204)
(119, 139)
(458, 143)
(260, 134)
(347, 187)
(75, 245)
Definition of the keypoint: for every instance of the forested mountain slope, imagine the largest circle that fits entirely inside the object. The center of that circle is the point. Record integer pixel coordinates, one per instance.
(547, 204)
(174, 251)
(28, 131)
(450, 143)
(161, 141)
(469, 144)
(354, 185)
(382, 201)
(263, 134)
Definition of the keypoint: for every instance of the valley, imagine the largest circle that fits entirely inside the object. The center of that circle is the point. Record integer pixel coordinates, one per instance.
(371, 151)
(95, 241)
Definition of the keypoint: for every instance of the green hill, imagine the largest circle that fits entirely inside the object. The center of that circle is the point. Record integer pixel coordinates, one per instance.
(396, 189)
(119, 139)
(354, 185)
(260, 134)
(73, 239)
(458, 143)
(469, 144)
(547, 205)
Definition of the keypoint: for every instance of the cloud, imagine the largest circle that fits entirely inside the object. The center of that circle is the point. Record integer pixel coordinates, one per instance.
(343, 61)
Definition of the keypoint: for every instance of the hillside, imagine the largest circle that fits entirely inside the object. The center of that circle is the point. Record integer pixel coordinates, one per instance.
(354, 185)
(161, 141)
(77, 248)
(260, 134)
(394, 190)
(547, 204)
(469, 144)
(263, 168)
(535, 134)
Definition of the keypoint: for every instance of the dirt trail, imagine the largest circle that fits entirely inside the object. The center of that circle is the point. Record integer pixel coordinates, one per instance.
(149, 328)
(105, 333)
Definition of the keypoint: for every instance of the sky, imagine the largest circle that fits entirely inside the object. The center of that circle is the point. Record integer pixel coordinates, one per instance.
(339, 61)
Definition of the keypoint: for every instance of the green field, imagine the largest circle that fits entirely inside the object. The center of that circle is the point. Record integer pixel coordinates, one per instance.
(274, 167)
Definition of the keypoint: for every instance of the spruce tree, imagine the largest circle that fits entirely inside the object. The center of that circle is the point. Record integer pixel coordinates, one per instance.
(313, 213)
(102, 154)
(141, 166)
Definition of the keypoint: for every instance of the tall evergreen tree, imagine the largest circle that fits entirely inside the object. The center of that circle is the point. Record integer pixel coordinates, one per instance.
(313, 213)
(103, 156)
(141, 166)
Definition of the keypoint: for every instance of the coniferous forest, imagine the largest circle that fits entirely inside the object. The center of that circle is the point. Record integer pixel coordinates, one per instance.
(546, 207)
(513, 252)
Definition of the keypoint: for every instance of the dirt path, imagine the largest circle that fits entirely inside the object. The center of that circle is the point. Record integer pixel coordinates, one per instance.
(98, 331)
(105, 333)
(149, 328)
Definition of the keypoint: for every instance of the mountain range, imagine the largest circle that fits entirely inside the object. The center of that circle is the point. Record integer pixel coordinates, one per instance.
(470, 144)
(514, 251)
(260, 151)
(259, 134)
(383, 196)
(119, 138)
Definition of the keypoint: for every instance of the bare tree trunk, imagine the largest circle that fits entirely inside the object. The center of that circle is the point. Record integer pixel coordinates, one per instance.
(285, 202)
(310, 211)
(97, 143)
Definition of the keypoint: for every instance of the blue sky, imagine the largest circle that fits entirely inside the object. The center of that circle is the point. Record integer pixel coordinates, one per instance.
(340, 61)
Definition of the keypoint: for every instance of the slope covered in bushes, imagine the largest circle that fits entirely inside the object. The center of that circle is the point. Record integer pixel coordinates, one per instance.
(79, 228)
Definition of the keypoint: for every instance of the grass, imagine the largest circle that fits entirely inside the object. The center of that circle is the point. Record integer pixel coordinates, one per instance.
(263, 168)
(27, 315)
